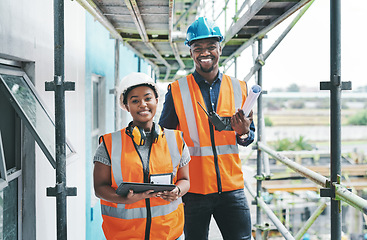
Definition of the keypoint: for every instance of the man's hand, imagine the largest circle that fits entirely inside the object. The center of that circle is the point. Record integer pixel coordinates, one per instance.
(240, 123)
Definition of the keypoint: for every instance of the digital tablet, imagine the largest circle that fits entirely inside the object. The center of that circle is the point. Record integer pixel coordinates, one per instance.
(124, 187)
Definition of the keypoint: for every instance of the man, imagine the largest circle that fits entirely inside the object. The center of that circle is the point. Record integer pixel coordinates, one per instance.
(215, 169)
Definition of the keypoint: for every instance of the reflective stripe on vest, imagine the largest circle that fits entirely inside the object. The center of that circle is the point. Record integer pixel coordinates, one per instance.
(196, 150)
(173, 149)
(123, 213)
(133, 213)
(208, 151)
(237, 93)
(116, 157)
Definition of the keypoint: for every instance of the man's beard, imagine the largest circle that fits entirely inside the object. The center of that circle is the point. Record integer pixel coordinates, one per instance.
(206, 70)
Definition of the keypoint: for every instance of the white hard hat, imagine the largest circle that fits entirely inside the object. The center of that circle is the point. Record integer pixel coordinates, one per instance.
(131, 80)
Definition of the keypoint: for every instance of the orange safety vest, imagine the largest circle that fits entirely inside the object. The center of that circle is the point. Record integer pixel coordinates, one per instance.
(215, 165)
(152, 218)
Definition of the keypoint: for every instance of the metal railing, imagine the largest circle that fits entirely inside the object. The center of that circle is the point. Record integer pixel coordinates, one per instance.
(331, 187)
(341, 193)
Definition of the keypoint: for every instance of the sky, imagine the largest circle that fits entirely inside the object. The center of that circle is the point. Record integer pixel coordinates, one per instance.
(303, 57)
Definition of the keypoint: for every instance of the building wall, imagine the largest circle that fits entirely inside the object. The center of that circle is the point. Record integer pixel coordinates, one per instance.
(99, 61)
(26, 34)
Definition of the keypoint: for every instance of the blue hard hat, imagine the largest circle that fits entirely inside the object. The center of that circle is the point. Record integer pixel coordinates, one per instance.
(202, 28)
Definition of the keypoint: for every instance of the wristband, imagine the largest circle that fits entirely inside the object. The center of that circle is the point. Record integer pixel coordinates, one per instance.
(179, 190)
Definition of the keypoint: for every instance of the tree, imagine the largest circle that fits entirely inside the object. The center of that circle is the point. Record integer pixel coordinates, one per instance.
(293, 88)
(359, 118)
(268, 122)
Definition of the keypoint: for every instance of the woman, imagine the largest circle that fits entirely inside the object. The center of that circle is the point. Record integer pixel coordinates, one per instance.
(143, 152)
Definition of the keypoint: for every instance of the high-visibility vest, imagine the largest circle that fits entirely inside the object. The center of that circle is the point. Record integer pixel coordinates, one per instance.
(215, 165)
(152, 218)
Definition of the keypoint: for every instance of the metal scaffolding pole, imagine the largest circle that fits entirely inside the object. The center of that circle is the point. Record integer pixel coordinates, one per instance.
(340, 191)
(262, 205)
(335, 86)
(259, 175)
(60, 191)
(311, 220)
(335, 121)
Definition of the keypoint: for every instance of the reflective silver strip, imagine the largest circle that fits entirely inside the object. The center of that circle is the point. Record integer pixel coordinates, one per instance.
(116, 157)
(208, 151)
(173, 149)
(189, 111)
(120, 211)
(237, 92)
(134, 213)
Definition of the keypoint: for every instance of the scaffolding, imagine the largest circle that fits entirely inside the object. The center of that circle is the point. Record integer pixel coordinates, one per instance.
(332, 188)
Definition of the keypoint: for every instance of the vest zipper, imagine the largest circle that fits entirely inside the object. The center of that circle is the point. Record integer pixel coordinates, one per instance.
(147, 201)
(149, 219)
(215, 154)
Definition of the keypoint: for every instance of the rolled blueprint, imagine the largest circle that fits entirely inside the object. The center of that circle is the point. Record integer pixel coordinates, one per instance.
(251, 99)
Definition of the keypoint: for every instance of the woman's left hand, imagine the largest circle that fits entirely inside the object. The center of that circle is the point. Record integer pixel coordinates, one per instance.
(170, 196)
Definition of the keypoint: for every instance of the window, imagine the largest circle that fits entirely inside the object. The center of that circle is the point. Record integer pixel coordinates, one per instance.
(18, 89)
(9, 186)
(11, 171)
(98, 109)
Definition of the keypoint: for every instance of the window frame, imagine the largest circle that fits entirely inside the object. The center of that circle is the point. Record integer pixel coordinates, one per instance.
(100, 109)
(17, 107)
(4, 175)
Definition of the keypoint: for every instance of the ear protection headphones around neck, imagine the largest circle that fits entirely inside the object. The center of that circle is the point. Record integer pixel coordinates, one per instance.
(138, 135)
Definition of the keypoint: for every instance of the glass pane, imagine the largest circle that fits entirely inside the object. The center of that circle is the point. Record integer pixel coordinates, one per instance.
(8, 126)
(35, 114)
(3, 176)
(9, 211)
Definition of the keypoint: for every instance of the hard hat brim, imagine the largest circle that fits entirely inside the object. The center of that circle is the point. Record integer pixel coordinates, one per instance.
(134, 79)
(189, 43)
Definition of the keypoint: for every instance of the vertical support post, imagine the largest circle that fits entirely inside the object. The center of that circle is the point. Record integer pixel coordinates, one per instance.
(259, 152)
(60, 191)
(60, 118)
(117, 78)
(139, 64)
(335, 111)
(335, 86)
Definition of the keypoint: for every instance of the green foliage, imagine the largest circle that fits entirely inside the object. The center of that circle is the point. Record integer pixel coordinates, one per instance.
(283, 144)
(297, 104)
(301, 144)
(359, 118)
(287, 144)
(268, 122)
(293, 88)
